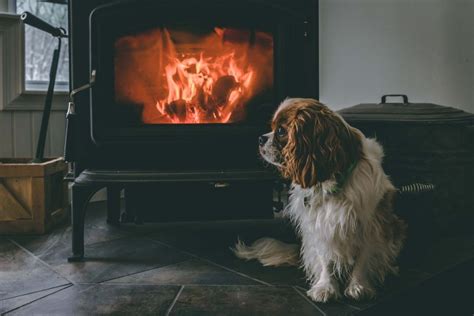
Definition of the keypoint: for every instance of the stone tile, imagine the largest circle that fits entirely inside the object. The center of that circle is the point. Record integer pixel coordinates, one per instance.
(190, 272)
(446, 293)
(212, 241)
(99, 299)
(140, 229)
(22, 300)
(447, 252)
(96, 230)
(242, 300)
(407, 278)
(21, 273)
(114, 259)
(336, 308)
(393, 286)
(210, 236)
(293, 276)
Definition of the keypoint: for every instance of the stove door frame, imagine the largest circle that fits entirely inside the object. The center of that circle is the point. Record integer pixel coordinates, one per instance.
(106, 24)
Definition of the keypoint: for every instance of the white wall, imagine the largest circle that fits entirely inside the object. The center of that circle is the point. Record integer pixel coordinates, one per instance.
(422, 48)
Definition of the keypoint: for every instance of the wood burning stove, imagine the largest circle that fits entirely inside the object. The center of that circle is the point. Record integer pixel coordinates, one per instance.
(181, 92)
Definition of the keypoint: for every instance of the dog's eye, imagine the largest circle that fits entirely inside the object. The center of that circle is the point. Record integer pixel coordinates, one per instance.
(280, 132)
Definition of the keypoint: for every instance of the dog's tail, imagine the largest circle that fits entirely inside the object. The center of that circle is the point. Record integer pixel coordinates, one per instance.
(269, 251)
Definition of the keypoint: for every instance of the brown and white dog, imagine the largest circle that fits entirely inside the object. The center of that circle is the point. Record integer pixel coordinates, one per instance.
(340, 203)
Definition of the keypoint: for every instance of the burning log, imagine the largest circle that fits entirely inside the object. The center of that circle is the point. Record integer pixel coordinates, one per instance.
(222, 89)
(203, 104)
(177, 109)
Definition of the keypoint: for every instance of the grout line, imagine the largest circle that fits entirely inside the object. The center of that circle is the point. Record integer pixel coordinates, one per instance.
(104, 241)
(40, 298)
(354, 307)
(138, 272)
(34, 292)
(308, 300)
(211, 262)
(37, 258)
(128, 236)
(92, 285)
(175, 300)
(193, 223)
(176, 284)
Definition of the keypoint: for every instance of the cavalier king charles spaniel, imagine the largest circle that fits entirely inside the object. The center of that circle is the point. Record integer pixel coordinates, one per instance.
(340, 202)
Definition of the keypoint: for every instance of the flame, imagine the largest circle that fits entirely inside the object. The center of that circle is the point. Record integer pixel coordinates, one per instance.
(191, 82)
(208, 88)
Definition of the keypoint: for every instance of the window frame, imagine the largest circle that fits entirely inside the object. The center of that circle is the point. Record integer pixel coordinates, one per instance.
(13, 93)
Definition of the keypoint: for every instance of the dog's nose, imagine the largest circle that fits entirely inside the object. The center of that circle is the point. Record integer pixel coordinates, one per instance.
(262, 140)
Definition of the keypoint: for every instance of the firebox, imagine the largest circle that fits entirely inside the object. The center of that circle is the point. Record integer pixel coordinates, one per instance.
(181, 91)
(193, 75)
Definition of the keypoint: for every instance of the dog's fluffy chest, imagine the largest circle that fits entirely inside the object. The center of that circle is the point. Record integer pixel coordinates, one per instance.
(325, 222)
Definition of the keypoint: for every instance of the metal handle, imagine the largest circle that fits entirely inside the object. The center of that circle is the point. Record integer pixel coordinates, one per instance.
(83, 87)
(48, 101)
(404, 96)
(220, 185)
(38, 23)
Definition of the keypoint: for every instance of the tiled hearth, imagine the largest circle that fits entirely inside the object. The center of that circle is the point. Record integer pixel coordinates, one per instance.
(188, 269)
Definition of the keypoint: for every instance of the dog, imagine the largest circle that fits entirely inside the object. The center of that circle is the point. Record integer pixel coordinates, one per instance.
(340, 202)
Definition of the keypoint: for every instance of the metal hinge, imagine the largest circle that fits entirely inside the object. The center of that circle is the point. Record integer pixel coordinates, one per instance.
(71, 109)
(221, 185)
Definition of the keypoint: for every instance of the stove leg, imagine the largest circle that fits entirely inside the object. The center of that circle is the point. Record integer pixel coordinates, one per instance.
(129, 215)
(113, 205)
(81, 195)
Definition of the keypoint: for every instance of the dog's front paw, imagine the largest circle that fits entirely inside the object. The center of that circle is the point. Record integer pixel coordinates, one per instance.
(323, 292)
(359, 291)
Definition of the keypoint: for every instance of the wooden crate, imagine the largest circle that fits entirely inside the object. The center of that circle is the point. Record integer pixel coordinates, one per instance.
(33, 196)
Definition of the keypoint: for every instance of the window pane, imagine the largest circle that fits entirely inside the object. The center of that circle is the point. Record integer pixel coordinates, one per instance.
(39, 46)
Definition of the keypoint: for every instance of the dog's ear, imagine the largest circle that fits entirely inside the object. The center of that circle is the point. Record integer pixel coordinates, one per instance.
(299, 152)
(339, 145)
(320, 145)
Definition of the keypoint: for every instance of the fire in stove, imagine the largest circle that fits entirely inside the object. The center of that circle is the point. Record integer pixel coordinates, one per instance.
(180, 77)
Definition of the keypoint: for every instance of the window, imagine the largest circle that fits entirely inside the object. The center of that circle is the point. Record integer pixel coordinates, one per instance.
(39, 46)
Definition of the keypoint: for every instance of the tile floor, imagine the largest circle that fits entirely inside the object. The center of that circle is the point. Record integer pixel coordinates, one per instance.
(176, 269)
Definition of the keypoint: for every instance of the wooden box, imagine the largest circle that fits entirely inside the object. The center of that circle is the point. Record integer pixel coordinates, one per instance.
(33, 196)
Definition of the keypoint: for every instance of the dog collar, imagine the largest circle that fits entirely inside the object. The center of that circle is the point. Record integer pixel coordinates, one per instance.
(341, 180)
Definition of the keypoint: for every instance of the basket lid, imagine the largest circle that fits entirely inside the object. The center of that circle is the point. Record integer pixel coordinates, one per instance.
(406, 112)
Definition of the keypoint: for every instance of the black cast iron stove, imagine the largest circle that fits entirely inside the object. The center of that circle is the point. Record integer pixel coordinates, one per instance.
(181, 91)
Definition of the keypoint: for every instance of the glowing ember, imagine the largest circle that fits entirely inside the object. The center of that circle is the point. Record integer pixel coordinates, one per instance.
(210, 80)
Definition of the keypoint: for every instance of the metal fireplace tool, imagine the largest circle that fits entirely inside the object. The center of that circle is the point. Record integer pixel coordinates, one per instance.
(59, 33)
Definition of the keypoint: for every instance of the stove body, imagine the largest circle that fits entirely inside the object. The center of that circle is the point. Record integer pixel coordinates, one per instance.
(179, 93)
(129, 120)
